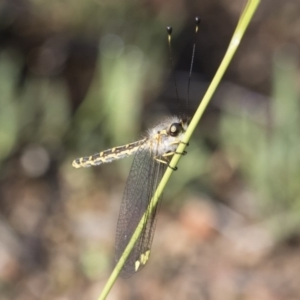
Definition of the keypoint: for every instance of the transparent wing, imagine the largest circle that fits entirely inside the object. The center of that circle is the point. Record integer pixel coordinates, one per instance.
(144, 177)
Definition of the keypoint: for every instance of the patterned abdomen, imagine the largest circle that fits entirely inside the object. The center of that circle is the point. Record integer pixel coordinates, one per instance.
(108, 155)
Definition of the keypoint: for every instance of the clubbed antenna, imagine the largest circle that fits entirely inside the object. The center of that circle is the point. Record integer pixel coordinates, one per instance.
(169, 30)
(197, 22)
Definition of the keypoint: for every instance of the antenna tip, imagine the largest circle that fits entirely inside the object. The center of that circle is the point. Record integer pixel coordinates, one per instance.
(169, 30)
(197, 20)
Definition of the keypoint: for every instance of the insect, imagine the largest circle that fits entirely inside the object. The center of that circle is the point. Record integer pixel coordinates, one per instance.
(152, 156)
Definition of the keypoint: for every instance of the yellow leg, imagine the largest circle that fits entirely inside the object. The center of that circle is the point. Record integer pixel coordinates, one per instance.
(160, 160)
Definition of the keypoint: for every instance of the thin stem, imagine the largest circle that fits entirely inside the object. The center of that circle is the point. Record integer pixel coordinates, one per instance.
(243, 23)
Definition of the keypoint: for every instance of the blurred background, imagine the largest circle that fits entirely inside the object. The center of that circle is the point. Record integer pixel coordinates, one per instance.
(78, 77)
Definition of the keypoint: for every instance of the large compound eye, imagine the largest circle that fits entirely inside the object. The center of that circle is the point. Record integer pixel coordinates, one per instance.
(175, 129)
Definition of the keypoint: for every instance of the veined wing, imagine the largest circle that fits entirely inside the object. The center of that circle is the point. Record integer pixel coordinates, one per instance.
(143, 179)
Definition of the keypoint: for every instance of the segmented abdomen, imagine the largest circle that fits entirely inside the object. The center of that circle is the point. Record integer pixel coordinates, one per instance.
(108, 155)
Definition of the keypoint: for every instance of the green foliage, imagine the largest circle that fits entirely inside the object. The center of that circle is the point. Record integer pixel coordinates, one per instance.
(266, 146)
(8, 111)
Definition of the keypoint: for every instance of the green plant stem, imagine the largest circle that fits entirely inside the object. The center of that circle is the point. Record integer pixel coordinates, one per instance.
(243, 23)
